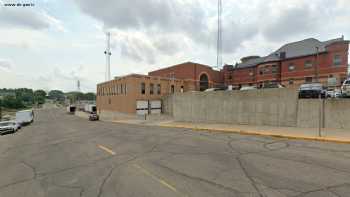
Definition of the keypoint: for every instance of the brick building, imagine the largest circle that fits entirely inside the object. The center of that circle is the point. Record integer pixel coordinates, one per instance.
(201, 76)
(295, 63)
(134, 93)
(308, 60)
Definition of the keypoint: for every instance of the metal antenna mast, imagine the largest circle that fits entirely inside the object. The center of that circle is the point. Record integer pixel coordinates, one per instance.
(108, 57)
(219, 37)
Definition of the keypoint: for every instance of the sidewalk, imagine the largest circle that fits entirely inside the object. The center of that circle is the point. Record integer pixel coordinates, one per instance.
(327, 134)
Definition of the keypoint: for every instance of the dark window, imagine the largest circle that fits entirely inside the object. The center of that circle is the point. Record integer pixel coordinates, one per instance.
(203, 82)
(121, 89)
(290, 81)
(274, 69)
(182, 88)
(159, 89)
(151, 88)
(308, 64)
(291, 67)
(125, 89)
(143, 88)
(308, 79)
(330, 76)
(337, 60)
(230, 77)
(261, 71)
(172, 89)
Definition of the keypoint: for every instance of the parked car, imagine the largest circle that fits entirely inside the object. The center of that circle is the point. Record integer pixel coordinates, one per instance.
(273, 85)
(214, 89)
(333, 93)
(8, 127)
(25, 117)
(312, 90)
(93, 117)
(345, 88)
(244, 88)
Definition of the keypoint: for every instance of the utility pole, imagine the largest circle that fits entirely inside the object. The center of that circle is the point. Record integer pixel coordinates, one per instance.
(317, 66)
(0, 109)
(108, 57)
(219, 36)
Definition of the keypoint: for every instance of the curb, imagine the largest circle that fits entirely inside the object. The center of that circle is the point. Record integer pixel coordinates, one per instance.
(269, 134)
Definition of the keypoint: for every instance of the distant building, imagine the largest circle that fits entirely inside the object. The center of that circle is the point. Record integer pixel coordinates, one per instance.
(293, 64)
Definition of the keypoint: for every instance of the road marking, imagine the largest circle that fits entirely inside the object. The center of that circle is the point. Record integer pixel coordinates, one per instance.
(159, 180)
(106, 149)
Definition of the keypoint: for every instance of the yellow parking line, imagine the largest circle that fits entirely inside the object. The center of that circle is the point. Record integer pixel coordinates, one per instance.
(161, 181)
(106, 149)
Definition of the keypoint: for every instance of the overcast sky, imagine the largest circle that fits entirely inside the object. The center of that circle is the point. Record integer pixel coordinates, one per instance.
(56, 42)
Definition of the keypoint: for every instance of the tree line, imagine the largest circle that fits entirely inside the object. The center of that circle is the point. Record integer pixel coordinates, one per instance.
(24, 97)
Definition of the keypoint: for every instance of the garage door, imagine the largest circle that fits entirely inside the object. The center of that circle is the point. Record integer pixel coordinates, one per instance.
(141, 107)
(156, 107)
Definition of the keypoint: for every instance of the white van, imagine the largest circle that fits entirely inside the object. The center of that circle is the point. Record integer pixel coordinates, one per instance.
(25, 117)
(345, 88)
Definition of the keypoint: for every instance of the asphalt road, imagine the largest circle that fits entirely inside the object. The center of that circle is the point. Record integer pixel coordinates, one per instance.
(62, 155)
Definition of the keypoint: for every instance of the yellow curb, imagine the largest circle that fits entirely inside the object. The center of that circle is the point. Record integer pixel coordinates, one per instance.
(270, 134)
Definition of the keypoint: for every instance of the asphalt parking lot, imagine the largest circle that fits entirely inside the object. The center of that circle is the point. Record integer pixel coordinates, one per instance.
(63, 155)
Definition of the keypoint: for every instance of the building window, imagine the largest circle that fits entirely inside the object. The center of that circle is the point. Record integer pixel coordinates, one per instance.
(143, 88)
(125, 89)
(261, 71)
(109, 101)
(274, 69)
(337, 60)
(159, 89)
(121, 89)
(291, 67)
(182, 88)
(308, 79)
(290, 81)
(172, 89)
(308, 64)
(151, 88)
(230, 77)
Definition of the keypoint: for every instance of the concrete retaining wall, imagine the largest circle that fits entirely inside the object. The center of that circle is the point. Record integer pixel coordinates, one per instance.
(271, 107)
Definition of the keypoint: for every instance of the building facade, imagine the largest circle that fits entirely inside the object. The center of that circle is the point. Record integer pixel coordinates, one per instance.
(123, 93)
(200, 77)
(293, 64)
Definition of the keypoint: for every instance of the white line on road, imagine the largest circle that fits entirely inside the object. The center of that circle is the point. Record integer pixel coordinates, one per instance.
(106, 149)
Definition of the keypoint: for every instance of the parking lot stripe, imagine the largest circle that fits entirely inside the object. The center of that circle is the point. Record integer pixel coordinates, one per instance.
(106, 149)
(159, 180)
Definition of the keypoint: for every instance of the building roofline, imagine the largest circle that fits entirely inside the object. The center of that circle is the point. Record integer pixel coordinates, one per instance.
(189, 62)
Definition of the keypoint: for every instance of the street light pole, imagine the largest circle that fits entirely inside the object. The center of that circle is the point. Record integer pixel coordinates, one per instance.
(317, 66)
(0, 109)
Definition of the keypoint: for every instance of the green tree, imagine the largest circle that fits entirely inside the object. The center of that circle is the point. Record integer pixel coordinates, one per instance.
(90, 96)
(12, 102)
(56, 95)
(39, 96)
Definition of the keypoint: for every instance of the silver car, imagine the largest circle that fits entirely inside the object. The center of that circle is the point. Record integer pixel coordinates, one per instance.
(8, 127)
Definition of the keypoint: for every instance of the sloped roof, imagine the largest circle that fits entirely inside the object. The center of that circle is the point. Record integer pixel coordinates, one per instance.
(294, 49)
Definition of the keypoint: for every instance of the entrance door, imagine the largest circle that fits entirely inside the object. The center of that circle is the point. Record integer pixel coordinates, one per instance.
(203, 82)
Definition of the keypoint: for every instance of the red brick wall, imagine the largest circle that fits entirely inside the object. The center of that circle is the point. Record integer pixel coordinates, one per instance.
(268, 76)
(325, 65)
(190, 71)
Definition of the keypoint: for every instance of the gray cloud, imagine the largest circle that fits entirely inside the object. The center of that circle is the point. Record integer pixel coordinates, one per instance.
(138, 50)
(190, 19)
(5, 64)
(22, 17)
(292, 22)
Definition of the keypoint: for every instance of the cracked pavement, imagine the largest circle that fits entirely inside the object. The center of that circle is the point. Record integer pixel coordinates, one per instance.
(59, 155)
